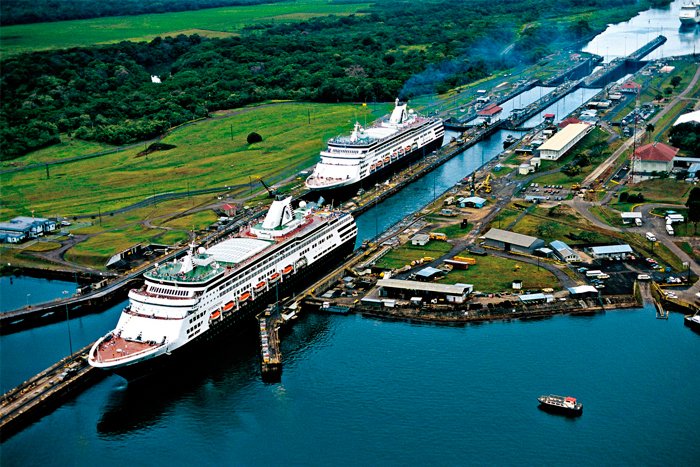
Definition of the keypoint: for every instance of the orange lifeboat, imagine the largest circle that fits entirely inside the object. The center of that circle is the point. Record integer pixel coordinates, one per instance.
(274, 278)
(228, 306)
(287, 270)
(408, 148)
(216, 314)
(260, 285)
(245, 296)
(387, 159)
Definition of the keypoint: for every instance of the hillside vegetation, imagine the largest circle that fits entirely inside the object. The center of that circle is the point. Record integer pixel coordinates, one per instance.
(105, 94)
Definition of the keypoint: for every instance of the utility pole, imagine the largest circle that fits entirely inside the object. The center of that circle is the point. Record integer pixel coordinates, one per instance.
(70, 340)
(47, 171)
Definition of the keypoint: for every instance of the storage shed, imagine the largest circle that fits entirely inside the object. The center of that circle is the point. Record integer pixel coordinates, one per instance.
(456, 293)
(511, 241)
(564, 251)
(611, 251)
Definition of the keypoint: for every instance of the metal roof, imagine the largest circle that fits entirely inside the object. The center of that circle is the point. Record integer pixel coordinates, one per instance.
(513, 238)
(564, 136)
(429, 271)
(562, 248)
(534, 296)
(611, 249)
(456, 289)
(236, 250)
(631, 215)
(579, 289)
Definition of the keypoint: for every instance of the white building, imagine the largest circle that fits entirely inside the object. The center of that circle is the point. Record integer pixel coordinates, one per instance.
(560, 143)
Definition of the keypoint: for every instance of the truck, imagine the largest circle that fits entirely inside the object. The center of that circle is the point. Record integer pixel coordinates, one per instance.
(638, 222)
(669, 229)
(438, 236)
(651, 237)
(594, 273)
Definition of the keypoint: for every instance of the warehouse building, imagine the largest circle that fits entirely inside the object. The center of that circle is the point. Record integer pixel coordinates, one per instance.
(22, 228)
(560, 143)
(397, 288)
(511, 241)
(564, 251)
(610, 251)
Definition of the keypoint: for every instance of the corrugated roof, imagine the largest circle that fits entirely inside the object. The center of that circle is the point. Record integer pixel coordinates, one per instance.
(611, 249)
(689, 117)
(631, 215)
(562, 248)
(424, 286)
(579, 289)
(491, 109)
(564, 136)
(656, 152)
(513, 238)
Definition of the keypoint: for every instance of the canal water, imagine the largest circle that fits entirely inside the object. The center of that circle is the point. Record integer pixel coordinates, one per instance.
(357, 390)
(621, 39)
(562, 107)
(426, 189)
(520, 101)
(19, 291)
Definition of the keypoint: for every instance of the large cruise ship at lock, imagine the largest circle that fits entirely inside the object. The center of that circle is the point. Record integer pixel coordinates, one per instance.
(209, 290)
(357, 160)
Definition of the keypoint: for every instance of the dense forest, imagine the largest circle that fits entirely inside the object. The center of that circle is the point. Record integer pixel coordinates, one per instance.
(686, 136)
(38, 11)
(398, 49)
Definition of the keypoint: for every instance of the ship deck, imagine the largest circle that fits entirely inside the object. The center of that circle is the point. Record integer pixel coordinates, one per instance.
(118, 348)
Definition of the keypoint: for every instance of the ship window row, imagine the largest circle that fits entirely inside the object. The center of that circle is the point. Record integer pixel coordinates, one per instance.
(196, 317)
(167, 291)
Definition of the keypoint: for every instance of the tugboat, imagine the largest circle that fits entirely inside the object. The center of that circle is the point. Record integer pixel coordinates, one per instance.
(564, 405)
(693, 321)
(508, 142)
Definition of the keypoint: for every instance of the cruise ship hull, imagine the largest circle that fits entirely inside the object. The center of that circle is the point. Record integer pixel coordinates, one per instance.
(339, 193)
(232, 324)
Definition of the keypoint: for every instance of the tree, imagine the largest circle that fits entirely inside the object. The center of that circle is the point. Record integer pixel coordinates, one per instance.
(693, 205)
(649, 130)
(624, 196)
(675, 81)
(254, 138)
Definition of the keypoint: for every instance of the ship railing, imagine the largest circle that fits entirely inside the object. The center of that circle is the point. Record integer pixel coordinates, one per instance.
(114, 341)
(417, 122)
(131, 312)
(146, 293)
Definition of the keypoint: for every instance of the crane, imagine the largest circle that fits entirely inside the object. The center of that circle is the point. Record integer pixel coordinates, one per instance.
(271, 191)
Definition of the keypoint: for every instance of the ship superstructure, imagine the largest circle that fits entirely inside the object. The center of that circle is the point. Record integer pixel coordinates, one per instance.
(690, 13)
(212, 289)
(349, 160)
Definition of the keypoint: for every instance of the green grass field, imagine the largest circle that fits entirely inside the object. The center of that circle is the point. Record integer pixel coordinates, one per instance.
(212, 22)
(399, 257)
(211, 153)
(495, 274)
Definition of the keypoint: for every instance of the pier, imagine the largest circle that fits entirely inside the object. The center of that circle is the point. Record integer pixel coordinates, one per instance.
(270, 354)
(40, 394)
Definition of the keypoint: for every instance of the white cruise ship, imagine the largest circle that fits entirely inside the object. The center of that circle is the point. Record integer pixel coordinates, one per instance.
(690, 13)
(213, 289)
(358, 159)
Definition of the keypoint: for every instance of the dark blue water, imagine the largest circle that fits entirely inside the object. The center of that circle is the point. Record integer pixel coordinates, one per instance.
(423, 191)
(357, 391)
(19, 291)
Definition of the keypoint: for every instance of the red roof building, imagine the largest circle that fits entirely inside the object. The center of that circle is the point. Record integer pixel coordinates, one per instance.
(630, 86)
(568, 121)
(653, 159)
(490, 110)
(656, 152)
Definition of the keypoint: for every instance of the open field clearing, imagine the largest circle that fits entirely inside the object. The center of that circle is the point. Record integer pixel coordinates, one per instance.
(211, 153)
(212, 22)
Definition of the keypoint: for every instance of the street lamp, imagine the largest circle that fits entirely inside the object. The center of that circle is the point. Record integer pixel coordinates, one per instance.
(70, 340)
(28, 295)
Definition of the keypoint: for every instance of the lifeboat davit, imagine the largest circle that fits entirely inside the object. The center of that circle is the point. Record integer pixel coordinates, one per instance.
(228, 306)
(260, 285)
(216, 314)
(274, 278)
(287, 270)
(245, 296)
